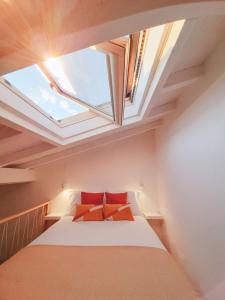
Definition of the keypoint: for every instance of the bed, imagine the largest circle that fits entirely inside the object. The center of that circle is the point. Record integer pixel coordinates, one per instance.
(106, 233)
(95, 260)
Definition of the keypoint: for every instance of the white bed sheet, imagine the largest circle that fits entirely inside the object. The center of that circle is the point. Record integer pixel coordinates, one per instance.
(101, 233)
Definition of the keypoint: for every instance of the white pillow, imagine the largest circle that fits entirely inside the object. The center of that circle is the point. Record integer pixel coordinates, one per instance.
(133, 200)
(70, 202)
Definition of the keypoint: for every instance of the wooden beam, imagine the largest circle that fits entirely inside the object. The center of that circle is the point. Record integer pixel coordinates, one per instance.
(117, 135)
(10, 140)
(20, 129)
(6, 132)
(42, 152)
(14, 143)
(18, 156)
(156, 114)
(183, 78)
(163, 110)
(12, 176)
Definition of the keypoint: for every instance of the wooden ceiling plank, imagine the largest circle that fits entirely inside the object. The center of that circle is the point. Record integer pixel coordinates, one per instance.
(82, 24)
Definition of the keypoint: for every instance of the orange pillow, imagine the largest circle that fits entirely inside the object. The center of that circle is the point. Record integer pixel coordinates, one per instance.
(118, 212)
(92, 198)
(88, 212)
(118, 198)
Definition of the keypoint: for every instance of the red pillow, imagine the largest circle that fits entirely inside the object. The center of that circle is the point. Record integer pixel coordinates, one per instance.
(92, 198)
(119, 198)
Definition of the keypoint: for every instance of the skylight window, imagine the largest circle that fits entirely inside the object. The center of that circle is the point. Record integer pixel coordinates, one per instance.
(83, 75)
(31, 83)
(96, 79)
(92, 77)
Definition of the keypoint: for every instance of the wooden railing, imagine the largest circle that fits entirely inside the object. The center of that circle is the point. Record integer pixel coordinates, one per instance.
(19, 230)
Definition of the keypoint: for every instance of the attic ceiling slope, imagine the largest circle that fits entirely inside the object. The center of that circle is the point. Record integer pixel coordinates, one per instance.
(27, 35)
(94, 143)
(36, 31)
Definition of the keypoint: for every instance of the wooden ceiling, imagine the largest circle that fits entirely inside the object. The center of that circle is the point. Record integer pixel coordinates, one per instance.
(31, 30)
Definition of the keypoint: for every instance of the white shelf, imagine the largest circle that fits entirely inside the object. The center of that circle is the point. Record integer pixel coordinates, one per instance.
(52, 217)
(153, 216)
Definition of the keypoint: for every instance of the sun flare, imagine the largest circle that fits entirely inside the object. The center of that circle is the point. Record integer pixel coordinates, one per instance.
(55, 67)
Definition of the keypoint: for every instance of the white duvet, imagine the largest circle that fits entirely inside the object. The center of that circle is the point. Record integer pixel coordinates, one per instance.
(100, 233)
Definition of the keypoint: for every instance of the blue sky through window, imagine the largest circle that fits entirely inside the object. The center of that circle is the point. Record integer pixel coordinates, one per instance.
(84, 74)
(32, 83)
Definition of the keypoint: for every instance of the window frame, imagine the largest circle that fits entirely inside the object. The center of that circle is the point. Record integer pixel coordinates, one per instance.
(114, 53)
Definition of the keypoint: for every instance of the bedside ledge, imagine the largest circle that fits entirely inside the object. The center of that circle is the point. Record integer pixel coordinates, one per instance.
(52, 217)
(152, 216)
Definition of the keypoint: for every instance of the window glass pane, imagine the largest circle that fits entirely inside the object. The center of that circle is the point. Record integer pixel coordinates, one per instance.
(83, 74)
(32, 83)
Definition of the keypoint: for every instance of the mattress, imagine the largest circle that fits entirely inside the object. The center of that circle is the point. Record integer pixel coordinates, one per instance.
(100, 233)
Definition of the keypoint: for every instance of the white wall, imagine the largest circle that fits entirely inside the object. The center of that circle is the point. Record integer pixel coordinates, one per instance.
(125, 165)
(217, 293)
(191, 172)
